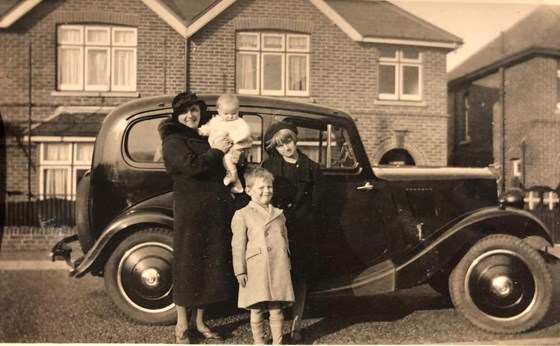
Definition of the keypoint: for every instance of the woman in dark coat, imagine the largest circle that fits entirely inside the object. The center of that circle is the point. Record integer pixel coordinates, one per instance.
(298, 186)
(202, 206)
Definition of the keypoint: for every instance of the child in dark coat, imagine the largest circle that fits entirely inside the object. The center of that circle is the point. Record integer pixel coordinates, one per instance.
(298, 186)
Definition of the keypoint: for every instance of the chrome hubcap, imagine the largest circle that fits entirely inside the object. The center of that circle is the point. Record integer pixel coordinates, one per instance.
(501, 286)
(150, 277)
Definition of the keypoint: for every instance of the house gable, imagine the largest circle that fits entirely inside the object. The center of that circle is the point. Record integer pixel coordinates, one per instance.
(187, 18)
(12, 10)
(535, 34)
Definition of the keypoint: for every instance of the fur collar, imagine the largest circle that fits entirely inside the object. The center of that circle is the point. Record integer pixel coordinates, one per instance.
(170, 127)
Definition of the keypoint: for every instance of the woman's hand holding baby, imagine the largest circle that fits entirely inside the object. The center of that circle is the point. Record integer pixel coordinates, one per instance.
(222, 143)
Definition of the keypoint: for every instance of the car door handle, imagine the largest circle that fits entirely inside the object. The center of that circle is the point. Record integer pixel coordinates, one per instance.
(366, 187)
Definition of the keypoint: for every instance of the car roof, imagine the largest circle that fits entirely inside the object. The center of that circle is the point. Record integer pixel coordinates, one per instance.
(152, 103)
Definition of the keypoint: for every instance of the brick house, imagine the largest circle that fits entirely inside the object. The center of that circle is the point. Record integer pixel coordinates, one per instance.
(505, 102)
(67, 63)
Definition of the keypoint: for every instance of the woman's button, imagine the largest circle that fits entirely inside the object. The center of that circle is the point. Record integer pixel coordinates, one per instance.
(269, 249)
(266, 234)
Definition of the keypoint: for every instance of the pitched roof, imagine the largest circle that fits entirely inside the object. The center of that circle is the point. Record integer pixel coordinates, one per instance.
(382, 20)
(537, 33)
(71, 124)
(188, 11)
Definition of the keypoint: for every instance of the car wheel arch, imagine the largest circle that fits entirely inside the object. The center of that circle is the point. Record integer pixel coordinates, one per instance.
(122, 227)
(445, 252)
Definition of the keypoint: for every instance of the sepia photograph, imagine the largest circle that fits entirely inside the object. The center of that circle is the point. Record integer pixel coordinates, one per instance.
(330, 172)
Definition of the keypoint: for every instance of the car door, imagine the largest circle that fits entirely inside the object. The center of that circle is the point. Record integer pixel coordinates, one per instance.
(356, 211)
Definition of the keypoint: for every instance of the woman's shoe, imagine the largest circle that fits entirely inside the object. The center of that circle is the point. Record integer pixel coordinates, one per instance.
(210, 334)
(185, 338)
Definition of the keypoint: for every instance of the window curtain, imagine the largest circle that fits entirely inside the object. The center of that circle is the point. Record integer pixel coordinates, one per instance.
(84, 152)
(247, 72)
(97, 67)
(123, 68)
(56, 152)
(298, 73)
(69, 66)
(55, 182)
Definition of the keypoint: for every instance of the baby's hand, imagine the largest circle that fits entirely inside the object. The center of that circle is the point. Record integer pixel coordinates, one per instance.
(242, 279)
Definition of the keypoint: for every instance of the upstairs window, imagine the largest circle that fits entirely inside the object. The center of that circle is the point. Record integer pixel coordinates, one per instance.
(96, 58)
(465, 133)
(400, 74)
(274, 64)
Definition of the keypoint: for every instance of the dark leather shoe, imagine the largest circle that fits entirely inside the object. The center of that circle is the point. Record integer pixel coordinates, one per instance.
(210, 335)
(185, 338)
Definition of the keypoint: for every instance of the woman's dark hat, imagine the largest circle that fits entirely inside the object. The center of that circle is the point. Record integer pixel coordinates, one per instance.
(288, 125)
(277, 127)
(183, 101)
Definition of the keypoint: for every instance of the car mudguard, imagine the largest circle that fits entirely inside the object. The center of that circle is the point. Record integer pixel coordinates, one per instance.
(119, 226)
(446, 246)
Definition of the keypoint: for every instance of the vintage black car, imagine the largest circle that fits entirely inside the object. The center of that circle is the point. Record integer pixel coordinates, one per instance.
(385, 228)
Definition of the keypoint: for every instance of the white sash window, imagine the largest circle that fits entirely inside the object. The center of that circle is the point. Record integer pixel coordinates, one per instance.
(96, 58)
(61, 166)
(400, 74)
(274, 64)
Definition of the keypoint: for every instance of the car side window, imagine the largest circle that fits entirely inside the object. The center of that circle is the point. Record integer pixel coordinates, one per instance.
(143, 144)
(256, 125)
(325, 143)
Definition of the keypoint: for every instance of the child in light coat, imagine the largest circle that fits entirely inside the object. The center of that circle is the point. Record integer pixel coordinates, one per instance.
(229, 123)
(261, 260)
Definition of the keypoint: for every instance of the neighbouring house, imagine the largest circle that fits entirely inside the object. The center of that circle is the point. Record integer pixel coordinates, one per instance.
(505, 102)
(67, 63)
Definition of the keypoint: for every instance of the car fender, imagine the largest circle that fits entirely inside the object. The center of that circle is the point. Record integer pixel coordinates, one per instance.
(447, 245)
(120, 226)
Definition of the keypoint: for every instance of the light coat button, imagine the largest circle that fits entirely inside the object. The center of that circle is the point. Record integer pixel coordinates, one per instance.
(269, 249)
(266, 234)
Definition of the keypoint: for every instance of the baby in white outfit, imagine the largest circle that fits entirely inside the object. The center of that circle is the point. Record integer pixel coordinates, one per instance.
(228, 122)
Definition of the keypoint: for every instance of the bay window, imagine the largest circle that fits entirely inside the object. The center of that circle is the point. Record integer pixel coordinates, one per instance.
(400, 74)
(96, 58)
(274, 64)
(61, 166)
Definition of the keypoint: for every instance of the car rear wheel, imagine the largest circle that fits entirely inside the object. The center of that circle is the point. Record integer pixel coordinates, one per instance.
(502, 285)
(138, 276)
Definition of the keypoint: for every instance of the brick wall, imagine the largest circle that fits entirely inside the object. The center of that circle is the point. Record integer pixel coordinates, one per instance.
(532, 122)
(343, 75)
(161, 67)
(33, 238)
(532, 127)
(477, 149)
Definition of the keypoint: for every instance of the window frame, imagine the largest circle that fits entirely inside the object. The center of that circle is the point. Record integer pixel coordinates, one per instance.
(400, 63)
(71, 166)
(261, 51)
(83, 46)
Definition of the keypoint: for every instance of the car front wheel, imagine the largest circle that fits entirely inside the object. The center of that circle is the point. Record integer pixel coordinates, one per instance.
(502, 285)
(138, 276)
